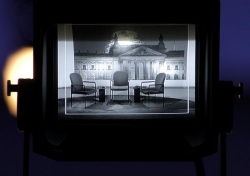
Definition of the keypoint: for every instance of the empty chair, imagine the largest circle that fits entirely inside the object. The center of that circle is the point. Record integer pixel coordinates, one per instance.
(119, 83)
(157, 86)
(78, 86)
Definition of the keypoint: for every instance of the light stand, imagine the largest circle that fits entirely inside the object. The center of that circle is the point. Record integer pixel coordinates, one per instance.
(225, 125)
(25, 89)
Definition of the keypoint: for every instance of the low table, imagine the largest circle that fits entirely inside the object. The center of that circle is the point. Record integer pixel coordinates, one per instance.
(101, 97)
(137, 96)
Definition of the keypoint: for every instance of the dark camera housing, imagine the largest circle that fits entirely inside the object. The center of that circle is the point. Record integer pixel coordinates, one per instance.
(122, 135)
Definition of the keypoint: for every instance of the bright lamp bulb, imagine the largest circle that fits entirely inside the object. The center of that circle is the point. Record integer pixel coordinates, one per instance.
(18, 65)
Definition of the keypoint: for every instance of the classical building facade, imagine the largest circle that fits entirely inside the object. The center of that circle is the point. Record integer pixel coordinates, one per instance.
(142, 62)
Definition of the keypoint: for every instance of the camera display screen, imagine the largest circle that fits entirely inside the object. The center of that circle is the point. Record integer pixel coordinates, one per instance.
(127, 71)
(127, 80)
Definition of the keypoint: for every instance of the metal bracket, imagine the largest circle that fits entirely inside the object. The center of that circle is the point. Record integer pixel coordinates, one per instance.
(25, 90)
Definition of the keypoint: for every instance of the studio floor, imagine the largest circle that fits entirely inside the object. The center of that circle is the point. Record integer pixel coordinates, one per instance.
(176, 100)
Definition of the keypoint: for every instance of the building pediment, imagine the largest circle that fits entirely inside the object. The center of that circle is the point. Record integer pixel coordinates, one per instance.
(142, 51)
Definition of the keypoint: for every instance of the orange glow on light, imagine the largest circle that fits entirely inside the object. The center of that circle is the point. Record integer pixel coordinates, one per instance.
(18, 65)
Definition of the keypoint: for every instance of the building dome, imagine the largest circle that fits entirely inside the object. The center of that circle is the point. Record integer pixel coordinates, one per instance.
(124, 38)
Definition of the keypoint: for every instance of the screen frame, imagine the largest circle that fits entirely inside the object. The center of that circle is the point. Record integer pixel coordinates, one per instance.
(127, 115)
(201, 79)
(207, 44)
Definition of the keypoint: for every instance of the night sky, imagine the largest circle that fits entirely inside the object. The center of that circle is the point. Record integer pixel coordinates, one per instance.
(16, 31)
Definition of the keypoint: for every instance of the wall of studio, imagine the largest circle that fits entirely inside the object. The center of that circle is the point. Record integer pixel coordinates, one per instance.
(16, 32)
(234, 43)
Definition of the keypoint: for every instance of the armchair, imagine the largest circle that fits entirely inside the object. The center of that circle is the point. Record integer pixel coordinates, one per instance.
(119, 83)
(77, 86)
(156, 88)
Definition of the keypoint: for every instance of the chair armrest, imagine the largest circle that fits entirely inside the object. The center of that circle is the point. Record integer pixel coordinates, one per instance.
(162, 85)
(155, 85)
(151, 85)
(158, 84)
(76, 85)
(143, 82)
(89, 82)
(72, 85)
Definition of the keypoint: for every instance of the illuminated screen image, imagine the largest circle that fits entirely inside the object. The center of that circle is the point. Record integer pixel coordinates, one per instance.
(130, 69)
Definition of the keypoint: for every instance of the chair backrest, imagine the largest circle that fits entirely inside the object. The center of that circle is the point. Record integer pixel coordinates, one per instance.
(76, 81)
(159, 80)
(120, 78)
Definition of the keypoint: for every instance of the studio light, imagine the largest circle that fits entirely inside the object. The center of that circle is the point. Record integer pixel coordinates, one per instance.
(18, 65)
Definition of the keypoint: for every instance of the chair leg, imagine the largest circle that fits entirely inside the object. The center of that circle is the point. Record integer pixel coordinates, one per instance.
(163, 100)
(95, 97)
(128, 95)
(71, 100)
(148, 100)
(85, 101)
(111, 96)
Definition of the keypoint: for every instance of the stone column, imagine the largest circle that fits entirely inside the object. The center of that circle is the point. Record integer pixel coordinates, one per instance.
(129, 69)
(150, 69)
(145, 70)
(136, 70)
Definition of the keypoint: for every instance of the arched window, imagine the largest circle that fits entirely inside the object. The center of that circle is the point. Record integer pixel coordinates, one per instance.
(108, 66)
(175, 77)
(84, 67)
(168, 77)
